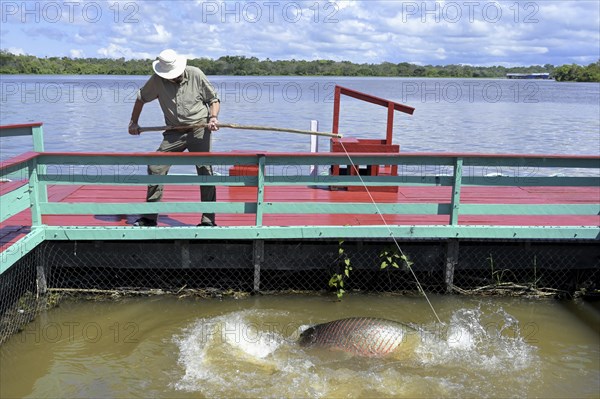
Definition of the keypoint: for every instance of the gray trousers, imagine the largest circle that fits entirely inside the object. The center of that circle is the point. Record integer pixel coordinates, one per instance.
(178, 141)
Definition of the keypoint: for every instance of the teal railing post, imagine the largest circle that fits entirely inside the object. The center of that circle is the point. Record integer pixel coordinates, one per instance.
(260, 195)
(38, 194)
(34, 192)
(456, 185)
(38, 138)
(38, 145)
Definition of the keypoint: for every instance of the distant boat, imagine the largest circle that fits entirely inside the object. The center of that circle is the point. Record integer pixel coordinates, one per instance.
(544, 75)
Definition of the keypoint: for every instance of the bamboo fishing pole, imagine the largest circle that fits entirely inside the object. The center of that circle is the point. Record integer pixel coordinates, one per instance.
(238, 126)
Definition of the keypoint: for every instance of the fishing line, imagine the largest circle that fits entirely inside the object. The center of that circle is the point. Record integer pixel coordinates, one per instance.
(390, 231)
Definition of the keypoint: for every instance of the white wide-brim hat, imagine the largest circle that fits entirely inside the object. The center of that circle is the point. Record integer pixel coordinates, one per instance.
(169, 65)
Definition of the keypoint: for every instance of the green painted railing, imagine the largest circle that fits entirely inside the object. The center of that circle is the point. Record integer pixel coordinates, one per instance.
(41, 169)
(25, 129)
(20, 197)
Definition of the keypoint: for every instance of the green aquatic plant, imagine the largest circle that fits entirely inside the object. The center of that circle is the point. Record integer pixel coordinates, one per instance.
(342, 273)
(499, 275)
(495, 275)
(393, 257)
(535, 277)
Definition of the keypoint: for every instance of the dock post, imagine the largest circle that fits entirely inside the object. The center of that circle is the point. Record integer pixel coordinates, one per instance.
(258, 254)
(40, 278)
(185, 254)
(451, 262)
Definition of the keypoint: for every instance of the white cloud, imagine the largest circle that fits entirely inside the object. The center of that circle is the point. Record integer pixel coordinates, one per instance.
(16, 50)
(116, 51)
(142, 34)
(507, 50)
(161, 35)
(79, 39)
(77, 53)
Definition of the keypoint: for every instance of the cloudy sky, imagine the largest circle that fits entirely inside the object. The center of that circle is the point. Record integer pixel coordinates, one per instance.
(476, 32)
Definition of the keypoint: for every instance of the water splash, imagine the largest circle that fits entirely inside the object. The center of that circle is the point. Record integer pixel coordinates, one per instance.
(480, 353)
(214, 350)
(240, 354)
(492, 340)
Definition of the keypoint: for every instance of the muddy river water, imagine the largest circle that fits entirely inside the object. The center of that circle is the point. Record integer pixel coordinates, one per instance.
(191, 347)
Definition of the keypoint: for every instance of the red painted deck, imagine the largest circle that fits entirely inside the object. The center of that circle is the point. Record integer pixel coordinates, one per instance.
(19, 225)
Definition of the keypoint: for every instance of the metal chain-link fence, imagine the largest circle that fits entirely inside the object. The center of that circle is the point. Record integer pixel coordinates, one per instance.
(20, 301)
(553, 268)
(159, 265)
(214, 268)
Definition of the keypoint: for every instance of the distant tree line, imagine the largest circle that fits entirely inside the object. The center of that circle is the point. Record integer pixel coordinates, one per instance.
(578, 73)
(241, 65)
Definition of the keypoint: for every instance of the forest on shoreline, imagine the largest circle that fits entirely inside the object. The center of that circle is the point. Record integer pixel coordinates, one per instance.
(241, 66)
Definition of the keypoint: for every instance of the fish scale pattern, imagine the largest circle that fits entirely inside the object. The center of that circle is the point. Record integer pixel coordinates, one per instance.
(364, 336)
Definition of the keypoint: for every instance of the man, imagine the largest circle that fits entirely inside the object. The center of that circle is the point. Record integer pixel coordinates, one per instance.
(186, 98)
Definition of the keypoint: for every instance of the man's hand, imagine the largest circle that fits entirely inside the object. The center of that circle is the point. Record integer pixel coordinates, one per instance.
(213, 123)
(134, 128)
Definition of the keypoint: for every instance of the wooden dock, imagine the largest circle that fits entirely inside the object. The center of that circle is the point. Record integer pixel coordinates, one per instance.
(19, 225)
(365, 195)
